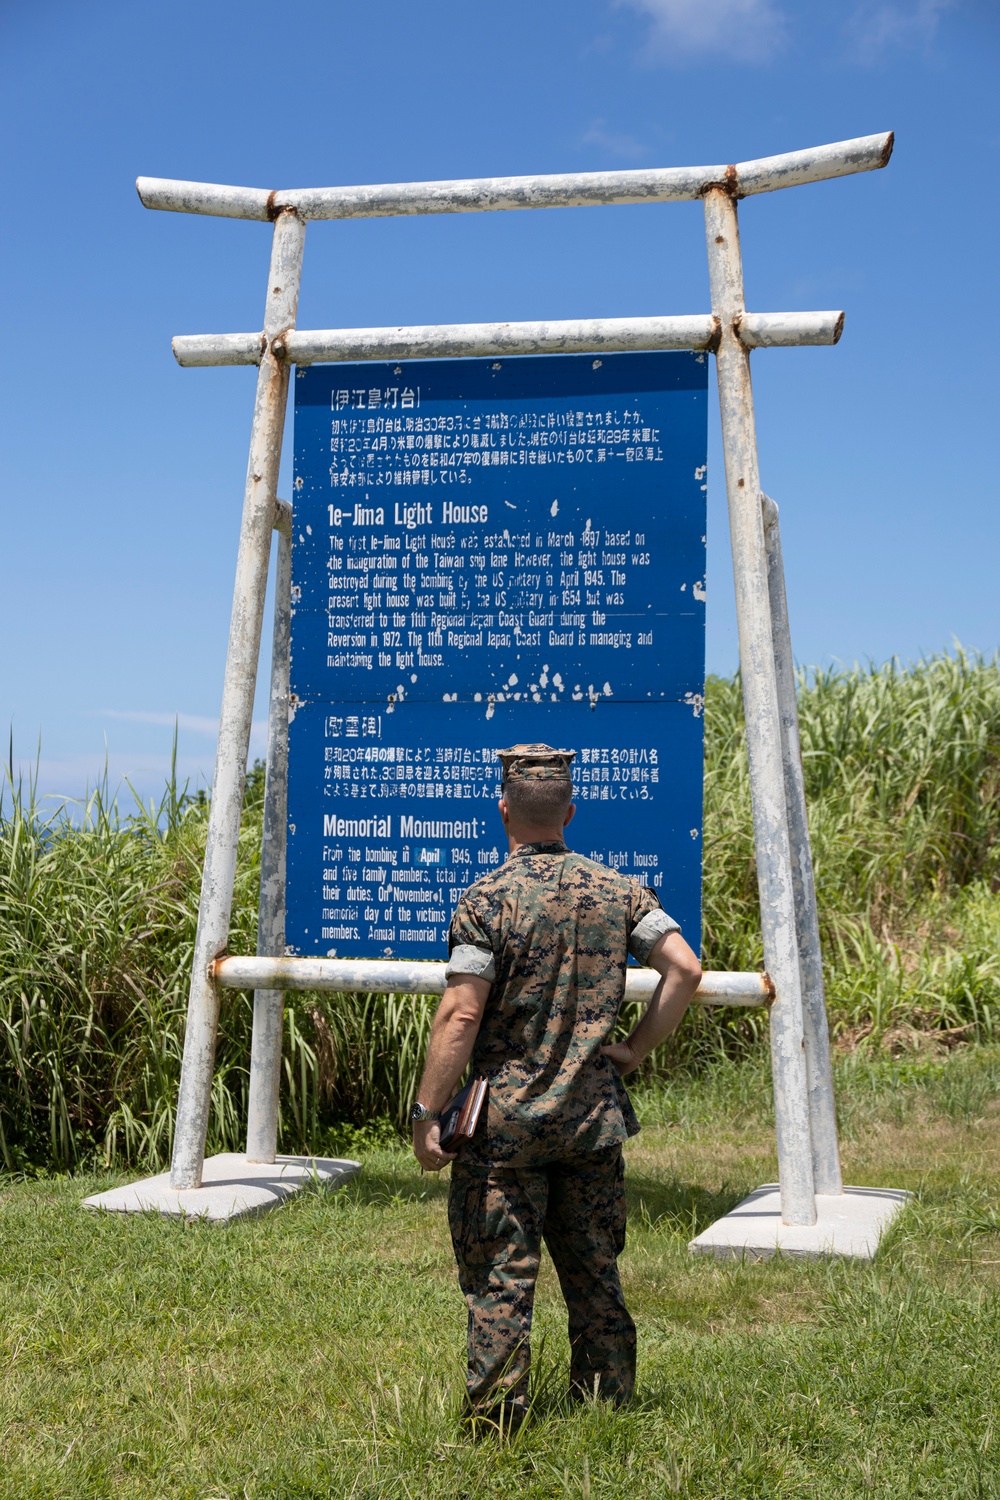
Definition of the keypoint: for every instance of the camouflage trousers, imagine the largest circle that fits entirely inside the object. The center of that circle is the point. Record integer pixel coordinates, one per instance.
(499, 1217)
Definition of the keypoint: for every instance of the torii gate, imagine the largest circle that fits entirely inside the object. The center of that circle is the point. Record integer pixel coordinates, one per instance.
(809, 1168)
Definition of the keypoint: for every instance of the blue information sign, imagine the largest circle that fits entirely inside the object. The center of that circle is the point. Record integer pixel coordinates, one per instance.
(486, 552)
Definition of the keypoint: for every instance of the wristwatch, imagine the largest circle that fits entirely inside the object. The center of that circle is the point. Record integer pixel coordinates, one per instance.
(421, 1112)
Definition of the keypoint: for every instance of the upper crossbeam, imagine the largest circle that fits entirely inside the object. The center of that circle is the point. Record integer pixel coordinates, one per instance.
(558, 190)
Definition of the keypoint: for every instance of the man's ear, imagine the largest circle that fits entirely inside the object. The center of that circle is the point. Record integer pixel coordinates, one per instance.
(569, 814)
(504, 811)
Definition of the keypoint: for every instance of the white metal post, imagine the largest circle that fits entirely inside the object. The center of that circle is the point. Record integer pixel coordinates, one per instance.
(760, 702)
(219, 874)
(819, 1074)
(268, 1004)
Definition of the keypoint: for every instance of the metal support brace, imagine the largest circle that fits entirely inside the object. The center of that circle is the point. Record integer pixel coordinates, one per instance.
(393, 976)
(763, 723)
(215, 907)
(454, 340)
(268, 1004)
(819, 1074)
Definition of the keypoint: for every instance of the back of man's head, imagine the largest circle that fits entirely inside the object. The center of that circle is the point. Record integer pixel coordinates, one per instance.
(537, 789)
(536, 805)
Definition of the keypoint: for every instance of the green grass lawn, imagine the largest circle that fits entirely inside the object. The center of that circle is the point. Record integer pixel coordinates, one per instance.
(318, 1351)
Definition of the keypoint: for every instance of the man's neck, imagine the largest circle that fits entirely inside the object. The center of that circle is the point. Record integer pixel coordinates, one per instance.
(535, 836)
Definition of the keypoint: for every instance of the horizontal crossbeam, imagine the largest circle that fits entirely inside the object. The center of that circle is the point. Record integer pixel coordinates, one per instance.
(451, 340)
(559, 190)
(394, 977)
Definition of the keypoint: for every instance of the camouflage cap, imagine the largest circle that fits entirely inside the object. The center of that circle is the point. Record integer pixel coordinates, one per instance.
(536, 763)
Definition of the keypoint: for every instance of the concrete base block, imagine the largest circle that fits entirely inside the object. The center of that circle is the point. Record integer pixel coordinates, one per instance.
(232, 1187)
(849, 1224)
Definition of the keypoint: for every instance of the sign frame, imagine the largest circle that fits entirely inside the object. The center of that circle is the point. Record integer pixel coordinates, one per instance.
(808, 1156)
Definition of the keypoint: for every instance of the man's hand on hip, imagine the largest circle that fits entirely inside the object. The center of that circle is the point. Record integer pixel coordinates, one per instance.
(624, 1057)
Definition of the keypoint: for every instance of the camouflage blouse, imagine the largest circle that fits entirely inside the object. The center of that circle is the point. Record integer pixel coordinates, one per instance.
(552, 931)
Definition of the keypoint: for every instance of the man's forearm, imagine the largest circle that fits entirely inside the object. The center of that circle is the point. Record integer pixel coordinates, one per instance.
(448, 1057)
(663, 1015)
(680, 975)
(453, 1036)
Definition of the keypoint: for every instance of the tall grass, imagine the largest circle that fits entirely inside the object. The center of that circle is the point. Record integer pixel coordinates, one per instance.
(97, 922)
(96, 932)
(98, 911)
(902, 773)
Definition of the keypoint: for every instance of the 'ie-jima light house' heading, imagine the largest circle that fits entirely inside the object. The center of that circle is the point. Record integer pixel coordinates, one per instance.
(419, 513)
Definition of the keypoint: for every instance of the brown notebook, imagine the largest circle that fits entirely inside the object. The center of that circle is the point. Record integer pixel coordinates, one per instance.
(460, 1118)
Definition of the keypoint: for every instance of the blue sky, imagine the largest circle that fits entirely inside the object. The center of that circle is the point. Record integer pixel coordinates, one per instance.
(123, 474)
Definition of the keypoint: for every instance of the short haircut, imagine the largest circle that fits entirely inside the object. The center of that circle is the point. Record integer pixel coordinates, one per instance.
(538, 802)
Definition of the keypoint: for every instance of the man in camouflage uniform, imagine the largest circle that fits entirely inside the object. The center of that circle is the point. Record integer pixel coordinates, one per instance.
(536, 976)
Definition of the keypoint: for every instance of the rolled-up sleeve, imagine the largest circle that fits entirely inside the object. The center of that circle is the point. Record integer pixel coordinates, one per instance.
(469, 950)
(465, 958)
(651, 926)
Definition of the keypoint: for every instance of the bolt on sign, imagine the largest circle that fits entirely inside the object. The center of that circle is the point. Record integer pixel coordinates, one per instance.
(485, 552)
